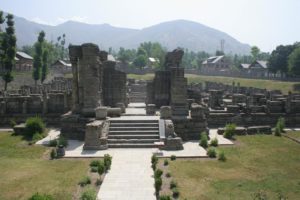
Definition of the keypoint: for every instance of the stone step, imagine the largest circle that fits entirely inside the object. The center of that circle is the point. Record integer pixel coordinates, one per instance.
(149, 136)
(132, 141)
(133, 128)
(137, 132)
(130, 121)
(133, 125)
(137, 145)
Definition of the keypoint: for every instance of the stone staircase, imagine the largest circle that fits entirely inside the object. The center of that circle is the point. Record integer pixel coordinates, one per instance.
(131, 133)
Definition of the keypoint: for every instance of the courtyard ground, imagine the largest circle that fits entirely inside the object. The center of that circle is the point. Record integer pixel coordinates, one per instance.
(26, 169)
(284, 86)
(257, 166)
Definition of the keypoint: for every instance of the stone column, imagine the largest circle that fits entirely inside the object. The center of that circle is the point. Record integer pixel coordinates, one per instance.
(75, 52)
(24, 106)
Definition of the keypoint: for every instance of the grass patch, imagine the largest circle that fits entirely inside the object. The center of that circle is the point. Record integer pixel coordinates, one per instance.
(260, 163)
(293, 134)
(26, 170)
(258, 83)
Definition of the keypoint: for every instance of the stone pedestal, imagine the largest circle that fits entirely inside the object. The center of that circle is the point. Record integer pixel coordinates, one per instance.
(93, 135)
(101, 112)
(121, 106)
(165, 112)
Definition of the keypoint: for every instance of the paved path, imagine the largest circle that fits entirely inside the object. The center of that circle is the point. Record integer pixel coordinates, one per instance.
(53, 134)
(6, 130)
(221, 140)
(130, 177)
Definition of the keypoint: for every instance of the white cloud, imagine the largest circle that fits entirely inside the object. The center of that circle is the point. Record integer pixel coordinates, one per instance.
(74, 18)
(41, 21)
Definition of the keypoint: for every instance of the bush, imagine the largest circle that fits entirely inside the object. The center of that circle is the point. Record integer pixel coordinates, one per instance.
(281, 124)
(94, 169)
(62, 141)
(107, 161)
(222, 156)
(203, 140)
(53, 143)
(34, 125)
(36, 137)
(88, 194)
(214, 142)
(173, 157)
(154, 161)
(84, 181)
(168, 174)
(229, 131)
(164, 197)
(53, 154)
(38, 196)
(175, 192)
(95, 163)
(211, 152)
(98, 182)
(12, 123)
(158, 183)
(101, 168)
(166, 162)
(158, 173)
(277, 131)
(173, 184)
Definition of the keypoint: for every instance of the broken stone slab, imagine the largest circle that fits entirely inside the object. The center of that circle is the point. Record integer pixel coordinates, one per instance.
(238, 131)
(114, 112)
(251, 130)
(20, 129)
(101, 112)
(93, 136)
(150, 109)
(173, 144)
(122, 106)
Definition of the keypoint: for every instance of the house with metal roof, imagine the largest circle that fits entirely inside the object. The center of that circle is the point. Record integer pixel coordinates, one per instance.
(24, 62)
(216, 63)
(258, 68)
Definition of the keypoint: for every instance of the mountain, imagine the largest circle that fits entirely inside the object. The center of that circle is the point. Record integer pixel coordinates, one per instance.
(179, 33)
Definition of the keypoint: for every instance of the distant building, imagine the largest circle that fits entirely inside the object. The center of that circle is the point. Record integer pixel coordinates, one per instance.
(24, 62)
(152, 62)
(61, 66)
(257, 68)
(215, 64)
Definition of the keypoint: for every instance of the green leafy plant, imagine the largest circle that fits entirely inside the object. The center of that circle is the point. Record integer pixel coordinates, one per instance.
(95, 163)
(53, 154)
(173, 157)
(175, 192)
(214, 142)
(158, 184)
(221, 156)
(38, 196)
(34, 125)
(168, 174)
(281, 124)
(12, 123)
(98, 182)
(211, 152)
(101, 168)
(94, 169)
(203, 140)
(89, 194)
(164, 197)
(229, 131)
(53, 143)
(173, 184)
(36, 137)
(158, 173)
(107, 161)
(166, 162)
(154, 161)
(62, 141)
(85, 181)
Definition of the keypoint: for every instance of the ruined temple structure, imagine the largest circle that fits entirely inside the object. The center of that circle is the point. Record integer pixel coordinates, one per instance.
(95, 83)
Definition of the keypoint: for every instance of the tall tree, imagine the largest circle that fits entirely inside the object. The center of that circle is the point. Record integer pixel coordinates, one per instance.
(294, 62)
(2, 20)
(37, 60)
(255, 52)
(9, 50)
(44, 66)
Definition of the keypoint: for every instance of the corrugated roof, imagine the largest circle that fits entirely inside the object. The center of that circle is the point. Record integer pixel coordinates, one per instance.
(213, 59)
(262, 63)
(63, 63)
(245, 65)
(24, 55)
(111, 58)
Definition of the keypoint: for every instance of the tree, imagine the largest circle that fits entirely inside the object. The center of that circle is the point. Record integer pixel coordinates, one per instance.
(140, 61)
(255, 52)
(9, 41)
(294, 62)
(37, 59)
(44, 66)
(219, 53)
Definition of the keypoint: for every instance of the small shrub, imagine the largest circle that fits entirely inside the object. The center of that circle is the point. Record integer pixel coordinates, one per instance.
(38, 196)
(214, 142)
(62, 141)
(107, 161)
(98, 182)
(175, 192)
(158, 184)
(89, 194)
(53, 143)
(101, 168)
(229, 131)
(277, 131)
(211, 152)
(84, 181)
(154, 159)
(53, 154)
(166, 162)
(94, 169)
(12, 123)
(221, 156)
(95, 163)
(168, 174)
(164, 197)
(173, 157)
(34, 125)
(281, 124)
(36, 137)
(173, 184)
(203, 140)
(158, 173)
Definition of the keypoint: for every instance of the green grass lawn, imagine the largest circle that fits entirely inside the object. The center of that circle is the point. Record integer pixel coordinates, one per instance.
(293, 134)
(262, 164)
(25, 170)
(258, 83)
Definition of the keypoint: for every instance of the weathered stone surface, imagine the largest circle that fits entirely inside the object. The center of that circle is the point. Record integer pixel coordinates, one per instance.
(259, 130)
(165, 112)
(20, 129)
(114, 112)
(173, 144)
(92, 136)
(121, 106)
(150, 109)
(101, 112)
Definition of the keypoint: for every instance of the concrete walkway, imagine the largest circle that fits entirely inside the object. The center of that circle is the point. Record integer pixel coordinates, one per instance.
(130, 177)
(221, 140)
(53, 134)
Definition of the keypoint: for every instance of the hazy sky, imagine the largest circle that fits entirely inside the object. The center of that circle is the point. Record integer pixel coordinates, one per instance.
(265, 23)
